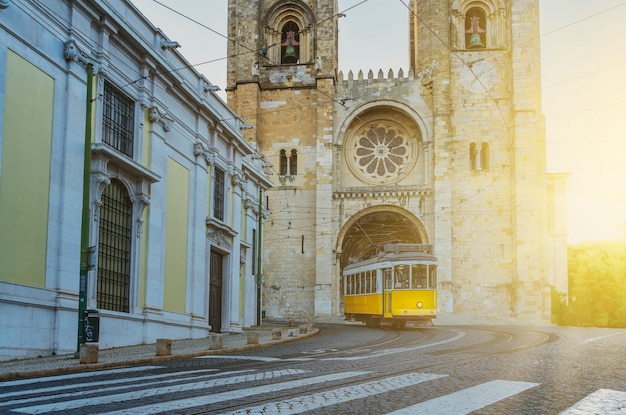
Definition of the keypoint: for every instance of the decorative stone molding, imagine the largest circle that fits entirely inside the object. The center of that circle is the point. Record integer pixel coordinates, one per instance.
(202, 150)
(169, 44)
(237, 179)
(219, 233)
(379, 194)
(139, 227)
(157, 116)
(4, 4)
(71, 52)
(219, 236)
(251, 203)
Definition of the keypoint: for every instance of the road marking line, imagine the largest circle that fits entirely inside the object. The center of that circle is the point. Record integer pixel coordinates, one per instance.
(593, 339)
(460, 334)
(120, 384)
(340, 395)
(259, 358)
(182, 404)
(77, 375)
(468, 400)
(143, 393)
(602, 401)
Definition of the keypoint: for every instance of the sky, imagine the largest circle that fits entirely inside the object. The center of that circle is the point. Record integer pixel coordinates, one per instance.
(583, 61)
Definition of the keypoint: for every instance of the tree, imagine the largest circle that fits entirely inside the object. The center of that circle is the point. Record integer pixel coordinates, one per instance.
(597, 286)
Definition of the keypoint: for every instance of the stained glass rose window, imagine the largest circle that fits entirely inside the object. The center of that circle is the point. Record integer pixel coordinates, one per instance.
(382, 153)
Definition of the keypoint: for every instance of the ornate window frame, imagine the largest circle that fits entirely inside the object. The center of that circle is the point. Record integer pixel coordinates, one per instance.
(276, 19)
(495, 12)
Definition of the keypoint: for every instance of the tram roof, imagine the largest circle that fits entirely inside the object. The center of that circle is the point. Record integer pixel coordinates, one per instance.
(394, 257)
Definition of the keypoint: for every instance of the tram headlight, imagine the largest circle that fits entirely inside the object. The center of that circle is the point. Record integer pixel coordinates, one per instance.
(419, 304)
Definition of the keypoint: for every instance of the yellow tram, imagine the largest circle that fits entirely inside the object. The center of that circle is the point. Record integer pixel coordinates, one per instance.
(395, 286)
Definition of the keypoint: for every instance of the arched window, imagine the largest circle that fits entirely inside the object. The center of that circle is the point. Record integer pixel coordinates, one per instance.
(290, 43)
(283, 163)
(479, 156)
(293, 163)
(288, 165)
(472, 156)
(475, 29)
(484, 156)
(288, 24)
(114, 248)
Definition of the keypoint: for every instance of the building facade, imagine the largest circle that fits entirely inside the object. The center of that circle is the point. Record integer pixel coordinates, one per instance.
(162, 234)
(450, 152)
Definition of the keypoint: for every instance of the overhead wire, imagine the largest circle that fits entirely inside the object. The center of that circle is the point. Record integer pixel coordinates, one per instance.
(215, 60)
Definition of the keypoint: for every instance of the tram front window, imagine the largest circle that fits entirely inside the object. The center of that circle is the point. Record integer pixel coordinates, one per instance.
(402, 277)
(419, 276)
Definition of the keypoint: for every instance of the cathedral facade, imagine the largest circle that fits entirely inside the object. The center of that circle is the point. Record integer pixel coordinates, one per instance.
(450, 152)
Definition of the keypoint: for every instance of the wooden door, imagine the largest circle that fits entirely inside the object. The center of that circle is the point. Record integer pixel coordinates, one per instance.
(215, 292)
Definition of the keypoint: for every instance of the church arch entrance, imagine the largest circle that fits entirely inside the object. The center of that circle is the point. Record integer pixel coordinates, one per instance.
(370, 228)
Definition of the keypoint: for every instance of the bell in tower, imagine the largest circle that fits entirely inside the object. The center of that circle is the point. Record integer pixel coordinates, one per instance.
(289, 45)
(475, 31)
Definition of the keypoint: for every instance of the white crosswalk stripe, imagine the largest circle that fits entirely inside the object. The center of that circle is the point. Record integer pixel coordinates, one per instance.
(602, 401)
(468, 400)
(230, 396)
(122, 397)
(121, 384)
(340, 395)
(77, 375)
(204, 387)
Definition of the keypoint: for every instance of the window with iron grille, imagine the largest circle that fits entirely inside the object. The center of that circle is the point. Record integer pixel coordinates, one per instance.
(118, 117)
(218, 194)
(114, 248)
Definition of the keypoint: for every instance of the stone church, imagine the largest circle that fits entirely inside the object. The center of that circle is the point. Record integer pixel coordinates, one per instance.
(450, 152)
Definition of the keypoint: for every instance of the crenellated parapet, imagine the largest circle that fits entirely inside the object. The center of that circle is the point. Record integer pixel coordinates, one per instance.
(380, 76)
(352, 83)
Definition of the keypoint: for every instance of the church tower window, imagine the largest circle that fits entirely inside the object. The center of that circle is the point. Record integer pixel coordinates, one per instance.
(479, 156)
(475, 29)
(290, 45)
(288, 164)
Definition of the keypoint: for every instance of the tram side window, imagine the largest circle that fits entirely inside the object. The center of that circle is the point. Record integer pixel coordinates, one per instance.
(432, 276)
(373, 284)
(419, 275)
(388, 279)
(402, 277)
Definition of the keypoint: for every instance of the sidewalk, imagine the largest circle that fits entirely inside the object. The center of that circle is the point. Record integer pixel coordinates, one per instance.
(268, 335)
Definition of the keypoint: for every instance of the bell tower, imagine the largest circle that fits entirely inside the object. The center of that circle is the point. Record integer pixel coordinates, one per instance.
(483, 57)
(281, 72)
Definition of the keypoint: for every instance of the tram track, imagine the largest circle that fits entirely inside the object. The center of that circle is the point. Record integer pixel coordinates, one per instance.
(380, 370)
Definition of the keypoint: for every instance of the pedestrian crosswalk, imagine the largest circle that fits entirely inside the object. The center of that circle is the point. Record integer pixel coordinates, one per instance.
(152, 389)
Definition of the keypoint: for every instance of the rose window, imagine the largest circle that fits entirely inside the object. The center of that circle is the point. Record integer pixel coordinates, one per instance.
(382, 153)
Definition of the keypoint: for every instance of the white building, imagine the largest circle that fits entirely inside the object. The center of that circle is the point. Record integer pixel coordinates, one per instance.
(174, 189)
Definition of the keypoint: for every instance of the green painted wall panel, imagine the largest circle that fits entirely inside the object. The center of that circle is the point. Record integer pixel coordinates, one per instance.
(25, 173)
(176, 233)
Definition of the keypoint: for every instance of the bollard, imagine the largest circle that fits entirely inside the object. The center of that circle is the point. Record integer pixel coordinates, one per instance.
(303, 328)
(277, 334)
(253, 337)
(89, 353)
(163, 347)
(216, 342)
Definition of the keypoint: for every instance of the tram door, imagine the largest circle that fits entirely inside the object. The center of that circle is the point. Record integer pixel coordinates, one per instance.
(215, 292)
(387, 289)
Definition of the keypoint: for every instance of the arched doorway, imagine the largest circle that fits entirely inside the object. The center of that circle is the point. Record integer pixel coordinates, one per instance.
(370, 228)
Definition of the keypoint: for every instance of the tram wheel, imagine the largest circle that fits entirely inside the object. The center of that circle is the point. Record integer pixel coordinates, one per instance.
(398, 324)
(372, 322)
